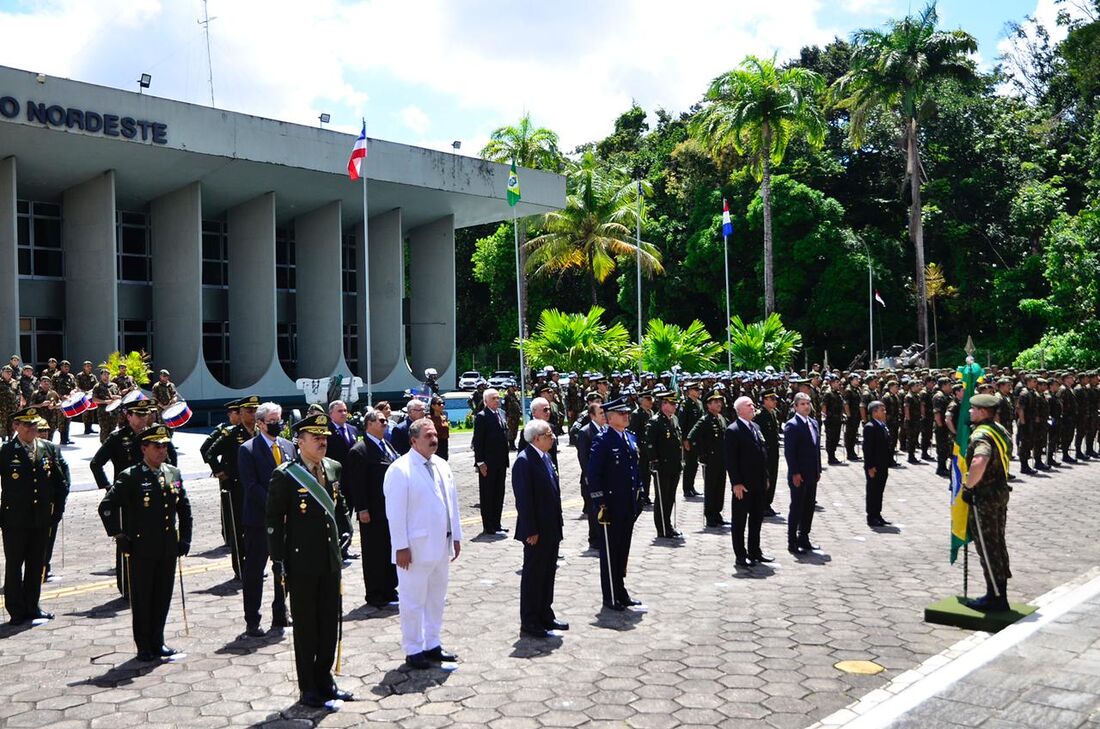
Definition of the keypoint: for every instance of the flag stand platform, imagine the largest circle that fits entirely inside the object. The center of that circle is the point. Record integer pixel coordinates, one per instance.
(953, 611)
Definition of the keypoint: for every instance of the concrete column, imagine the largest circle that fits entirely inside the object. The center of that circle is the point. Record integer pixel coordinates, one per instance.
(9, 260)
(252, 289)
(432, 293)
(387, 287)
(319, 297)
(91, 281)
(176, 222)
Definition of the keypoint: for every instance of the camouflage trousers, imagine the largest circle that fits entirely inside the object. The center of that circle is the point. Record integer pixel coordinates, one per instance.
(991, 510)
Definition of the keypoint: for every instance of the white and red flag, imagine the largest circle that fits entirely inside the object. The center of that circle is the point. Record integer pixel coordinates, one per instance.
(358, 154)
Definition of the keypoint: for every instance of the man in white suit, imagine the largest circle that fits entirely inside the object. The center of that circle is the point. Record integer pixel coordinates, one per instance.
(426, 536)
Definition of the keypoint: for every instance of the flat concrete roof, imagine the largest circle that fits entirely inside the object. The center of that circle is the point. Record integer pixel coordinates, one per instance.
(239, 156)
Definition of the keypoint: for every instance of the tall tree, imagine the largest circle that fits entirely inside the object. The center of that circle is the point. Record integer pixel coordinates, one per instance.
(757, 109)
(532, 147)
(896, 71)
(596, 226)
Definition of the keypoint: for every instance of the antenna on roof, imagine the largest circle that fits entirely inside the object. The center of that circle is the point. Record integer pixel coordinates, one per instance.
(205, 23)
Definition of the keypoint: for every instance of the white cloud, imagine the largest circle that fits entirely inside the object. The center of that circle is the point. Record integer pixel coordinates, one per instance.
(415, 119)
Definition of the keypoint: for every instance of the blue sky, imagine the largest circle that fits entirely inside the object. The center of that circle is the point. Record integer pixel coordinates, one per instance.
(432, 71)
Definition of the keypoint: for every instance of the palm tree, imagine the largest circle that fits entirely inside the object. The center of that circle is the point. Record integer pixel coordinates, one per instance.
(534, 148)
(763, 343)
(666, 345)
(936, 287)
(596, 226)
(757, 109)
(577, 342)
(895, 71)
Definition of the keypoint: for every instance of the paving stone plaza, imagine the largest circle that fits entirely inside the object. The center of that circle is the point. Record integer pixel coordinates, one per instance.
(712, 648)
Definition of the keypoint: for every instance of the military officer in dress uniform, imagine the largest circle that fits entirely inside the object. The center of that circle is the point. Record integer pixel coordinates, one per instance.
(665, 444)
(705, 438)
(34, 485)
(639, 421)
(232, 420)
(768, 421)
(688, 414)
(307, 522)
(615, 488)
(86, 382)
(148, 514)
(222, 458)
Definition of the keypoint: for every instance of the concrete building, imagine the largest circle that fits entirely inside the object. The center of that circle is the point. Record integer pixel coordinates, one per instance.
(226, 245)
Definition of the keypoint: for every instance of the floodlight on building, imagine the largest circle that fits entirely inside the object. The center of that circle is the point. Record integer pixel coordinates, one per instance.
(324, 119)
(457, 145)
(144, 81)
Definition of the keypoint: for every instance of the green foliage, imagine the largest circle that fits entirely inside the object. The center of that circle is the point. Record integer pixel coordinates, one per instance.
(527, 145)
(665, 345)
(760, 344)
(578, 342)
(1035, 206)
(1078, 347)
(137, 366)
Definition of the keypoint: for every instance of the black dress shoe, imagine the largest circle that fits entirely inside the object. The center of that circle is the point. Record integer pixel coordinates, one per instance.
(794, 549)
(41, 615)
(147, 657)
(420, 662)
(617, 607)
(854, 458)
(762, 558)
(1027, 470)
(255, 631)
(167, 652)
(534, 632)
(834, 461)
(440, 655)
(808, 547)
(557, 625)
(338, 694)
(875, 523)
(913, 460)
(313, 700)
(676, 534)
(770, 512)
(630, 602)
(742, 563)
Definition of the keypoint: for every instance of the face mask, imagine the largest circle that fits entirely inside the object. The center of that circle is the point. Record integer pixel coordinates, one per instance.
(273, 429)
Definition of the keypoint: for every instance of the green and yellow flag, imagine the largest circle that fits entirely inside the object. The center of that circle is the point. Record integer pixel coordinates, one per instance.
(970, 374)
(513, 185)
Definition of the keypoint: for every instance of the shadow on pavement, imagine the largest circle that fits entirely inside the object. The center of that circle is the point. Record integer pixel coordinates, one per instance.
(405, 680)
(230, 587)
(369, 612)
(617, 620)
(527, 647)
(243, 645)
(110, 609)
(120, 675)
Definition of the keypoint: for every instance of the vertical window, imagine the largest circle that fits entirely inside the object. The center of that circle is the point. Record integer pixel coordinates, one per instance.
(348, 261)
(215, 254)
(135, 335)
(351, 347)
(39, 339)
(215, 349)
(284, 259)
(135, 259)
(39, 236)
(288, 348)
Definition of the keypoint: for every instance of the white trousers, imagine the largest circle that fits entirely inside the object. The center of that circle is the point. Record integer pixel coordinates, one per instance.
(422, 591)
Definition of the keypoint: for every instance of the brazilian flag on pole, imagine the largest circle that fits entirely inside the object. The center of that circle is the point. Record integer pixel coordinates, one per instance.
(970, 374)
(513, 185)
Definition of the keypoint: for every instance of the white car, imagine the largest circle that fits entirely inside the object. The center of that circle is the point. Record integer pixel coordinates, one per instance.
(467, 381)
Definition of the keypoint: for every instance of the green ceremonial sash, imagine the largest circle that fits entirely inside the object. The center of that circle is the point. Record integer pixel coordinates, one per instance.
(999, 442)
(306, 480)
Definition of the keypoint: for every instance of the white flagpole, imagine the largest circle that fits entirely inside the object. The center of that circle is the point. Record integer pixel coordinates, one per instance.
(871, 312)
(519, 328)
(366, 281)
(726, 255)
(638, 246)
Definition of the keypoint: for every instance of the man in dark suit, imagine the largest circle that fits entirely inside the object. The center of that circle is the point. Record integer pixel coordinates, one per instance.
(595, 426)
(399, 436)
(537, 490)
(801, 450)
(747, 466)
(876, 461)
(256, 459)
(490, 445)
(344, 434)
(364, 474)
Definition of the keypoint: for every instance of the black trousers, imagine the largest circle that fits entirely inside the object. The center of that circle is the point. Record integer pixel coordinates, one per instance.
(714, 490)
(876, 486)
(315, 607)
(944, 443)
(491, 493)
(24, 556)
(63, 427)
(150, 596)
(926, 428)
(255, 561)
(773, 476)
(832, 435)
(664, 500)
(379, 571)
(232, 508)
(51, 539)
(121, 579)
(536, 585)
(801, 516)
(614, 551)
(590, 514)
(748, 511)
(646, 474)
(691, 467)
(851, 435)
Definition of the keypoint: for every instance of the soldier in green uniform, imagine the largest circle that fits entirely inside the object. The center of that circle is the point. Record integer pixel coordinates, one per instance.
(1081, 395)
(306, 524)
(665, 445)
(103, 394)
(9, 400)
(1057, 420)
(706, 442)
(513, 413)
(63, 383)
(941, 399)
(894, 414)
(1094, 414)
(1026, 404)
(222, 458)
(767, 418)
(853, 398)
(987, 490)
(233, 418)
(125, 384)
(927, 418)
(688, 414)
(34, 485)
(1006, 410)
(912, 406)
(639, 421)
(832, 406)
(1067, 401)
(51, 369)
(86, 382)
(49, 404)
(1039, 424)
(28, 383)
(148, 514)
(164, 392)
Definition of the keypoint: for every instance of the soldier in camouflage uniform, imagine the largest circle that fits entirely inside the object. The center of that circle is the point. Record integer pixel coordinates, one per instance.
(832, 405)
(1068, 403)
(927, 417)
(1094, 414)
(912, 408)
(1040, 418)
(64, 383)
(103, 394)
(894, 414)
(513, 412)
(1056, 421)
(86, 382)
(1006, 410)
(27, 384)
(941, 399)
(853, 397)
(1026, 404)
(9, 400)
(49, 403)
(987, 492)
(164, 392)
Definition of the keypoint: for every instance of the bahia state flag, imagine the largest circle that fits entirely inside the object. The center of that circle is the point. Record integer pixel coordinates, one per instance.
(727, 224)
(513, 185)
(358, 154)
